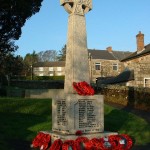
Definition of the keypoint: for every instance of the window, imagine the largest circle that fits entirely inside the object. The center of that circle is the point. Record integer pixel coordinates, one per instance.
(146, 82)
(36, 69)
(59, 68)
(41, 68)
(51, 69)
(59, 73)
(40, 74)
(97, 66)
(51, 74)
(115, 67)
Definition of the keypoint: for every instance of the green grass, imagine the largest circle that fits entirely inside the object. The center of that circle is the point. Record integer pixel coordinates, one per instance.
(21, 119)
(127, 123)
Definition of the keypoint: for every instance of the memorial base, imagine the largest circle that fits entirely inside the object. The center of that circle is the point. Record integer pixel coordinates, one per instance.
(74, 112)
(64, 137)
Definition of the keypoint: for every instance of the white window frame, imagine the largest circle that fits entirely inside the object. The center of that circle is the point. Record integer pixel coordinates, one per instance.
(98, 64)
(115, 65)
(59, 68)
(41, 69)
(145, 80)
(59, 74)
(40, 74)
(51, 74)
(51, 68)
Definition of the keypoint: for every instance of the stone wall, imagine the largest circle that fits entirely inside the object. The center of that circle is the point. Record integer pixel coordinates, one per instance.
(43, 93)
(106, 68)
(134, 97)
(141, 67)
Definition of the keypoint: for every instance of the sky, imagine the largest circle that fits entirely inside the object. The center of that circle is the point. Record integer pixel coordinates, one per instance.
(110, 23)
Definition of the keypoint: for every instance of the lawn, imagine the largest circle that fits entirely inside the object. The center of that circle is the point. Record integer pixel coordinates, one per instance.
(22, 119)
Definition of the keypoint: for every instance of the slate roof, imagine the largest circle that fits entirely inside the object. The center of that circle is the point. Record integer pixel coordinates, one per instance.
(101, 54)
(104, 54)
(125, 76)
(96, 54)
(121, 54)
(50, 64)
(137, 54)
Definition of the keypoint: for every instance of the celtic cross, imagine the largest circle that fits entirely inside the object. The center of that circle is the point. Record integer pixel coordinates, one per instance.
(78, 7)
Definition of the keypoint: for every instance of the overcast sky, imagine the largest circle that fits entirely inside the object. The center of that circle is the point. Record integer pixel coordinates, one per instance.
(110, 23)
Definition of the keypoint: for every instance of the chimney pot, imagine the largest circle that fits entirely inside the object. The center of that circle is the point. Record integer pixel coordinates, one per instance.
(109, 49)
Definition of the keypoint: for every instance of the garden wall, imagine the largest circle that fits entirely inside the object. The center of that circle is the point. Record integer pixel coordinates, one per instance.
(135, 97)
(35, 89)
(43, 93)
(127, 96)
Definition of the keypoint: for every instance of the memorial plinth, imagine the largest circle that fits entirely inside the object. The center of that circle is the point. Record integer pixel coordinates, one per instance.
(64, 137)
(75, 112)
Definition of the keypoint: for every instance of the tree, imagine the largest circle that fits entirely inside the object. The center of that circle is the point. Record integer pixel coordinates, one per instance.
(29, 61)
(12, 66)
(13, 15)
(62, 54)
(48, 55)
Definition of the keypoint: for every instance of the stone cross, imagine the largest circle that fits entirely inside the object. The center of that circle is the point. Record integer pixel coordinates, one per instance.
(77, 64)
(73, 112)
(78, 7)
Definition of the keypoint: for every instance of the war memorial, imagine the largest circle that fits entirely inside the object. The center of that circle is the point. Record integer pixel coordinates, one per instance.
(79, 114)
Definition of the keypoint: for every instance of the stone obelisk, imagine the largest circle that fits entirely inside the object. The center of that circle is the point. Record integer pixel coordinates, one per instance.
(77, 66)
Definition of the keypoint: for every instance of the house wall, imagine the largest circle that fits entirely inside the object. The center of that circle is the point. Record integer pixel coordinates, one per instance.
(141, 67)
(106, 68)
(49, 71)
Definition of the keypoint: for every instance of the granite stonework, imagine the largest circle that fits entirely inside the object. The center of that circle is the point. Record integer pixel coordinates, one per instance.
(77, 64)
(75, 112)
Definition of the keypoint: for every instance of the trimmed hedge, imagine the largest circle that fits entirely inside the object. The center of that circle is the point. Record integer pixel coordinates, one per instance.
(134, 97)
(38, 78)
(39, 84)
(48, 77)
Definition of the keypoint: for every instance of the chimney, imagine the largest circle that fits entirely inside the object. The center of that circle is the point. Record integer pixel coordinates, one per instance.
(140, 41)
(109, 49)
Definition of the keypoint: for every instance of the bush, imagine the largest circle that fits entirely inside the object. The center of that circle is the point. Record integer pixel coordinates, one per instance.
(3, 92)
(38, 84)
(39, 78)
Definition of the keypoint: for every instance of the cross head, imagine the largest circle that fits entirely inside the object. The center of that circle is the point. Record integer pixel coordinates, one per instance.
(78, 7)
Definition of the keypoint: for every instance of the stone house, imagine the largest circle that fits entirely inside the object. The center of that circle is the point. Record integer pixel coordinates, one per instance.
(109, 63)
(106, 63)
(102, 63)
(49, 68)
(139, 62)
